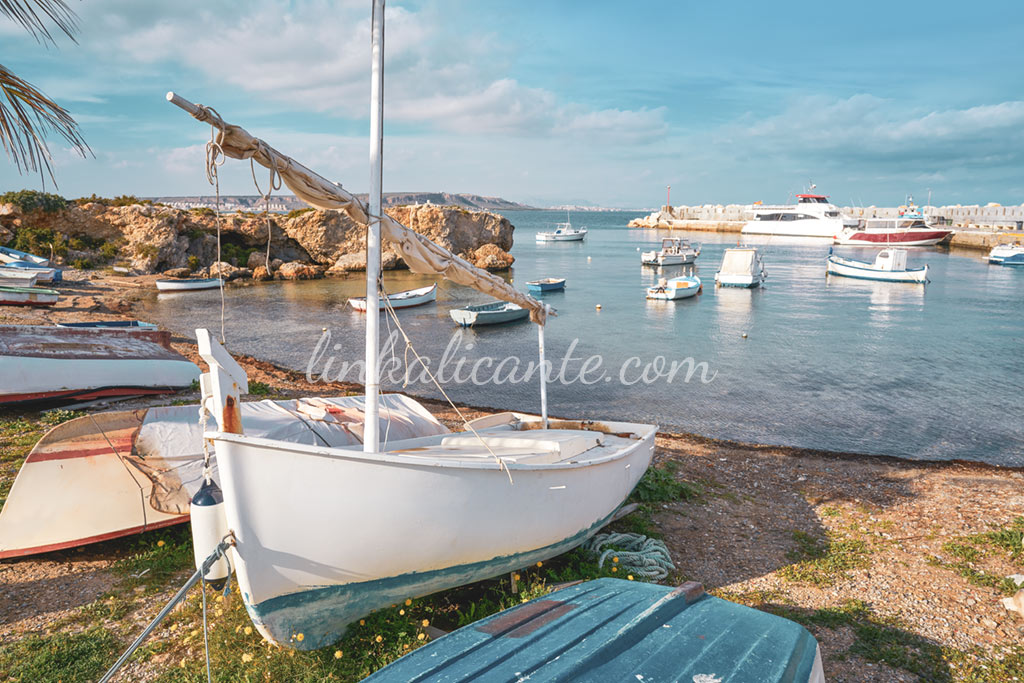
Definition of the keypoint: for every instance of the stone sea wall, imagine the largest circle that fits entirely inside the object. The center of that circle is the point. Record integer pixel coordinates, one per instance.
(150, 238)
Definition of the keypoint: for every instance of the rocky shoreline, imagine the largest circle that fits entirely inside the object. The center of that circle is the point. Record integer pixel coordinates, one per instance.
(897, 567)
(145, 238)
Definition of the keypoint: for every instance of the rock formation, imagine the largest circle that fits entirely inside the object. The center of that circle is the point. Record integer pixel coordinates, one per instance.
(154, 238)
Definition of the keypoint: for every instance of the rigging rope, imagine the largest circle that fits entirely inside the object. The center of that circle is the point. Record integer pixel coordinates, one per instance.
(274, 184)
(215, 158)
(646, 557)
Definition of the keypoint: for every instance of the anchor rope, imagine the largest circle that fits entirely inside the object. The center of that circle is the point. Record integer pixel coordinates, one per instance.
(646, 557)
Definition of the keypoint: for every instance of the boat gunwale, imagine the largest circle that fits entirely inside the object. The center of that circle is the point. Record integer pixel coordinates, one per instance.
(413, 460)
(850, 263)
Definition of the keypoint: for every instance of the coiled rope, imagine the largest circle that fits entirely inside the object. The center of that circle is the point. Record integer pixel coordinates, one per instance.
(638, 554)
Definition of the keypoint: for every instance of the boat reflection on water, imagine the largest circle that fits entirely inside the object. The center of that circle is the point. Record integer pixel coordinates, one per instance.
(885, 298)
(734, 307)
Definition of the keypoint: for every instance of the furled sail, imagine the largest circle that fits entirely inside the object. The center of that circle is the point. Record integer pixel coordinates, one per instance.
(419, 253)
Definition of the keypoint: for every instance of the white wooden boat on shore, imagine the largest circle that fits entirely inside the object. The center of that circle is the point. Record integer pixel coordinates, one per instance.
(41, 273)
(8, 255)
(675, 288)
(29, 280)
(188, 284)
(41, 363)
(890, 265)
(406, 299)
(741, 267)
(24, 275)
(674, 251)
(493, 313)
(14, 295)
(120, 473)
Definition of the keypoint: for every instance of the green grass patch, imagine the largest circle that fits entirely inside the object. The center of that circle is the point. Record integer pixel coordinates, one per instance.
(661, 485)
(821, 562)
(969, 551)
(260, 389)
(61, 657)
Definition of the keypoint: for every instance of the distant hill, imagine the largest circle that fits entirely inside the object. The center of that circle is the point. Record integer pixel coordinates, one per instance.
(285, 202)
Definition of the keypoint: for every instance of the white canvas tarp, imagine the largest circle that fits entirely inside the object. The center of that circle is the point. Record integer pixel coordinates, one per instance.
(738, 262)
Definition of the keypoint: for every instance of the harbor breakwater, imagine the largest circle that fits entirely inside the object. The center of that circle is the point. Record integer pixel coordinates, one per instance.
(977, 227)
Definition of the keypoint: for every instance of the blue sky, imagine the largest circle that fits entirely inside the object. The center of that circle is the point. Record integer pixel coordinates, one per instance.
(550, 103)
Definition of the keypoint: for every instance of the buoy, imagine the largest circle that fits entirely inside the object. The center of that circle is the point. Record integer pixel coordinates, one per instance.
(209, 527)
(744, 335)
(598, 307)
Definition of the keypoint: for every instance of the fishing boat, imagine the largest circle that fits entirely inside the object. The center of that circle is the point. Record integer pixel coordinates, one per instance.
(42, 273)
(40, 363)
(890, 265)
(741, 267)
(548, 284)
(120, 473)
(563, 232)
(493, 313)
(28, 280)
(674, 251)
(1014, 260)
(346, 539)
(1002, 252)
(23, 275)
(13, 295)
(616, 630)
(8, 255)
(188, 284)
(406, 299)
(909, 229)
(675, 288)
(113, 324)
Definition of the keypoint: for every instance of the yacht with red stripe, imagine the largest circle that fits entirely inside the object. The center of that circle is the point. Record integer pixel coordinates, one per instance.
(909, 229)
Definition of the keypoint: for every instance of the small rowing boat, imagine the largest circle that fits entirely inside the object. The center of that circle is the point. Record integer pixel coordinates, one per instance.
(8, 255)
(675, 288)
(16, 281)
(188, 284)
(890, 265)
(40, 363)
(113, 324)
(42, 273)
(488, 314)
(27, 296)
(548, 284)
(406, 299)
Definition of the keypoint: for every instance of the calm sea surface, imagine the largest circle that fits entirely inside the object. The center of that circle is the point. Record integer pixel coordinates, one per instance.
(918, 372)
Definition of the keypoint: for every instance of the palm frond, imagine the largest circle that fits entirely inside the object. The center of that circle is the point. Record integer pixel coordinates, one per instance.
(33, 16)
(27, 116)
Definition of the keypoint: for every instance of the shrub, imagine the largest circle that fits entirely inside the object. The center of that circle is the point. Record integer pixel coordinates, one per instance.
(193, 262)
(203, 211)
(40, 241)
(81, 264)
(123, 200)
(299, 212)
(109, 250)
(32, 200)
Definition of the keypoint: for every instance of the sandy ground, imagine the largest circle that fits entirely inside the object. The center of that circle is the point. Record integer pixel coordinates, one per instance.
(736, 537)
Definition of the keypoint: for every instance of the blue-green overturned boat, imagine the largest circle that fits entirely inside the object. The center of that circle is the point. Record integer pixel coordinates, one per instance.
(615, 630)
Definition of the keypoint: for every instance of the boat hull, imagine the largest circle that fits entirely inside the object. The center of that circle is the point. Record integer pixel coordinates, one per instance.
(407, 299)
(688, 287)
(27, 296)
(187, 285)
(467, 317)
(863, 271)
(669, 259)
(902, 238)
(542, 237)
(744, 281)
(812, 227)
(295, 580)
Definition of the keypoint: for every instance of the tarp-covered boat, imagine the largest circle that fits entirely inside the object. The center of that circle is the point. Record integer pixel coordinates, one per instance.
(119, 473)
(741, 267)
(39, 363)
(616, 630)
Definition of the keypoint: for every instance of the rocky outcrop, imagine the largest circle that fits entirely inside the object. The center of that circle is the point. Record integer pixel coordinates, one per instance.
(156, 238)
(296, 270)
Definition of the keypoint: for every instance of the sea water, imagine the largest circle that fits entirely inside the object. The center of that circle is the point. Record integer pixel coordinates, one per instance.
(932, 372)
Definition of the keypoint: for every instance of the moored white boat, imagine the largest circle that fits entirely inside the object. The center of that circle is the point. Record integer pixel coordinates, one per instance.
(119, 473)
(406, 299)
(1002, 252)
(14, 295)
(812, 216)
(909, 229)
(493, 313)
(675, 288)
(548, 284)
(890, 265)
(563, 232)
(741, 267)
(188, 284)
(674, 251)
(41, 363)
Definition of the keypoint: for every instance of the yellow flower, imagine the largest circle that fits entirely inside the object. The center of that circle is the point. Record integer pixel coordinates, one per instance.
(406, 646)
(299, 637)
(337, 654)
(408, 602)
(426, 623)
(540, 564)
(237, 629)
(291, 653)
(248, 630)
(630, 577)
(401, 612)
(420, 637)
(615, 559)
(362, 622)
(615, 569)
(160, 544)
(247, 657)
(517, 577)
(182, 663)
(378, 639)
